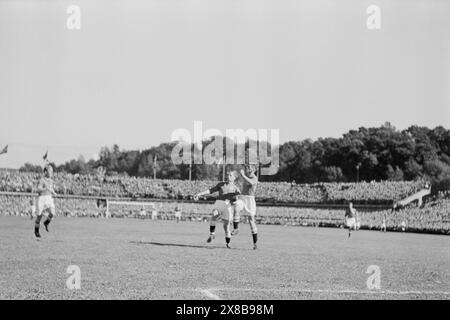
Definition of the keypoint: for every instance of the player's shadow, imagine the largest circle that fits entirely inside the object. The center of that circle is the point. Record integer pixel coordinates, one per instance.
(178, 245)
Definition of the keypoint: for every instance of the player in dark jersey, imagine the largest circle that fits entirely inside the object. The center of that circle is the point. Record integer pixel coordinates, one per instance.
(223, 207)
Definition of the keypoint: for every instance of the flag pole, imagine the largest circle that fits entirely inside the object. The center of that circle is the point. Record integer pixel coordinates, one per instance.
(224, 157)
(154, 166)
(223, 168)
(190, 170)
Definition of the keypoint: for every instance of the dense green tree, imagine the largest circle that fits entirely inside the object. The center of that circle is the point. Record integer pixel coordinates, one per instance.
(381, 153)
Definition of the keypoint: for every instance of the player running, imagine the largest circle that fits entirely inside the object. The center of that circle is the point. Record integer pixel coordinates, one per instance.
(45, 202)
(383, 224)
(246, 202)
(351, 218)
(223, 206)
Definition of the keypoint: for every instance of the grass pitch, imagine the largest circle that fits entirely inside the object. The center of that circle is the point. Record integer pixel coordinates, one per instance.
(144, 259)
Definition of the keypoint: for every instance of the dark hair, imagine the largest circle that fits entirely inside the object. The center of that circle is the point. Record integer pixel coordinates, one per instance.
(253, 167)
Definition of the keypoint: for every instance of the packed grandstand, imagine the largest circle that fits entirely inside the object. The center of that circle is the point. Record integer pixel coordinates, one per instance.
(384, 192)
(78, 194)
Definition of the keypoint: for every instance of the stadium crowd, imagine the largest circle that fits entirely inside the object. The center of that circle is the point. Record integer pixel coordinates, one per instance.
(71, 190)
(272, 192)
(433, 217)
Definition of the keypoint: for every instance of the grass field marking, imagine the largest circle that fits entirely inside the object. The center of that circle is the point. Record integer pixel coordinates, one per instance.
(349, 291)
(209, 294)
(415, 292)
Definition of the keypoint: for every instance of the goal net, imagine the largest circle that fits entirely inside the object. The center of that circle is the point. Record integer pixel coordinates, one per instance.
(129, 209)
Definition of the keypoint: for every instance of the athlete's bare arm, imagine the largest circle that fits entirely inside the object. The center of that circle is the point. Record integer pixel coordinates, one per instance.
(249, 180)
(203, 193)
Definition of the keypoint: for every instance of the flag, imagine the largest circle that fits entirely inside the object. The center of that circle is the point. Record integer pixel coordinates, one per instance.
(45, 156)
(5, 150)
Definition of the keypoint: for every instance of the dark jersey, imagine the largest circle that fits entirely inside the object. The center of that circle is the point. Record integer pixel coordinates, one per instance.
(226, 190)
(350, 213)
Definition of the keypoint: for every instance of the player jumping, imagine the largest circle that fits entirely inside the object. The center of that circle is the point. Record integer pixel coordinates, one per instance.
(45, 202)
(223, 207)
(246, 202)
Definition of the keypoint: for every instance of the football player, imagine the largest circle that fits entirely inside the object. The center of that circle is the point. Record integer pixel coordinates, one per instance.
(45, 202)
(223, 207)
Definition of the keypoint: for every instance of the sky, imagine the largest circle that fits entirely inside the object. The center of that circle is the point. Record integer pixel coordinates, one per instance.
(136, 70)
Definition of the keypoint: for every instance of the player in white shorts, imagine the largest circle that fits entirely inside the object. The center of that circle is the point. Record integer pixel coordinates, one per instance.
(142, 213)
(383, 224)
(246, 203)
(351, 218)
(154, 213)
(177, 214)
(223, 207)
(32, 209)
(45, 202)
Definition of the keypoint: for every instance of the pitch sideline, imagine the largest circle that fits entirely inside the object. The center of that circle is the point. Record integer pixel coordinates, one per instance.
(208, 292)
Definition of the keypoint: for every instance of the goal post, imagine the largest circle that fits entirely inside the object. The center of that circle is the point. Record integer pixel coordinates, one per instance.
(137, 209)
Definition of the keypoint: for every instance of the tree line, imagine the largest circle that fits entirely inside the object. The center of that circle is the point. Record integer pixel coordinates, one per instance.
(365, 154)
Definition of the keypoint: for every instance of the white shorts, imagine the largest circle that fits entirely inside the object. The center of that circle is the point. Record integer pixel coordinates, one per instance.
(246, 205)
(351, 223)
(45, 203)
(178, 214)
(33, 211)
(224, 208)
